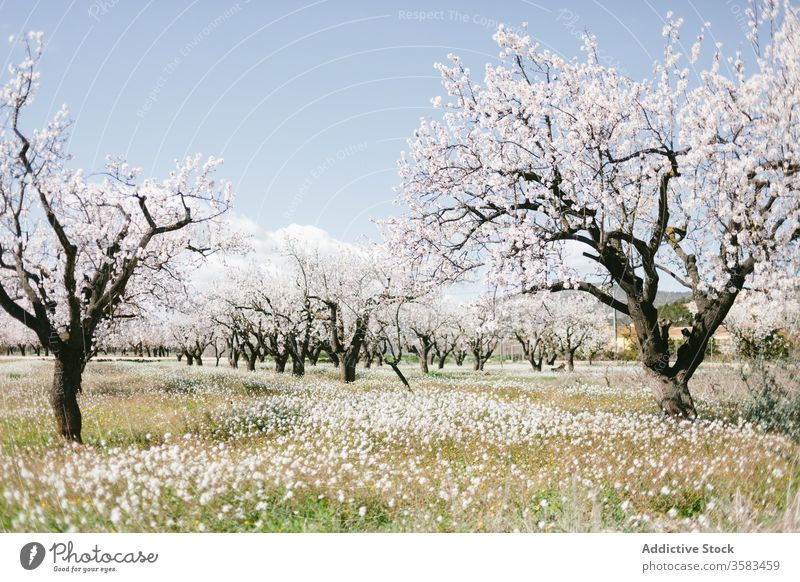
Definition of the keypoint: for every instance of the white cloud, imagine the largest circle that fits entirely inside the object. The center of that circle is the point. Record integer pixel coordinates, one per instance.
(266, 247)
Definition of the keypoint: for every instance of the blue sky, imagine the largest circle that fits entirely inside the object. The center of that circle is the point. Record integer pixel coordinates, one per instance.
(309, 103)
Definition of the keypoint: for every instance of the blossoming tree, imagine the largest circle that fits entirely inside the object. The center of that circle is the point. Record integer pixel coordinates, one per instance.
(576, 323)
(292, 325)
(147, 334)
(73, 250)
(482, 321)
(550, 164)
(529, 323)
(425, 323)
(344, 288)
(193, 330)
(757, 320)
(388, 330)
(15, 335)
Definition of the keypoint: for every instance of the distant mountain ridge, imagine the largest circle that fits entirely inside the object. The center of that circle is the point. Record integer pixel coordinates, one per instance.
(662, 297)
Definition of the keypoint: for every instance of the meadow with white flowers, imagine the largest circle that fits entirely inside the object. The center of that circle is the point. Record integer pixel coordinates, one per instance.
(173, 448)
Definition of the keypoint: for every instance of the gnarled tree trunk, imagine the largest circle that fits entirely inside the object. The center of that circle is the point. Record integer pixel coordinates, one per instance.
(298, 366)
(477, 363)
(313, 355)
(280, 363)
(423, 357)
(570, 360)
(347, 369)
(672, 394)
(64, 394)
(535, 361)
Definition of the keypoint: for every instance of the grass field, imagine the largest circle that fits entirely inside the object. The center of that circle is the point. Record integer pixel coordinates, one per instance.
(173, 448)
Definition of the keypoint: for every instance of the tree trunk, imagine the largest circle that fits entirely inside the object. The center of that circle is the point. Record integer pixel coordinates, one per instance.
(198, 359)
(399, 374)
(670, 384)
(442, 360)
(570, 361)
(280, 363)
(673, 396)
(64, 394)
(251, 362)
(423, 358)
(298, 366)
(480, 360)
(347, 370)
(189, 360)
(334, 358)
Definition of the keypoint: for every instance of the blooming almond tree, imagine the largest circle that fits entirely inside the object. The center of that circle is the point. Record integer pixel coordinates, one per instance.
(481, 324)
(756, 318)
(243, 330)
(527, 320)
(291, 321)
(576, 322)
(146, 334)
(552, 164)
(15, 335)
(344, 288)
(448, 334)
(194, 329)
(388, 330)
(74, 251)
(425, 322)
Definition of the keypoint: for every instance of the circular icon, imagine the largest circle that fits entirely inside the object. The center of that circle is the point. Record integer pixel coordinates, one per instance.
(31, 555)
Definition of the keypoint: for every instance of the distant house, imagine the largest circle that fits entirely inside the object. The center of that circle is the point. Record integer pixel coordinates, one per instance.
(722, 337)
(626, 335)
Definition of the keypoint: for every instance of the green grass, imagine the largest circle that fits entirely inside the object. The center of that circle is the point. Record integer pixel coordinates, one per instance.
(173, 448)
